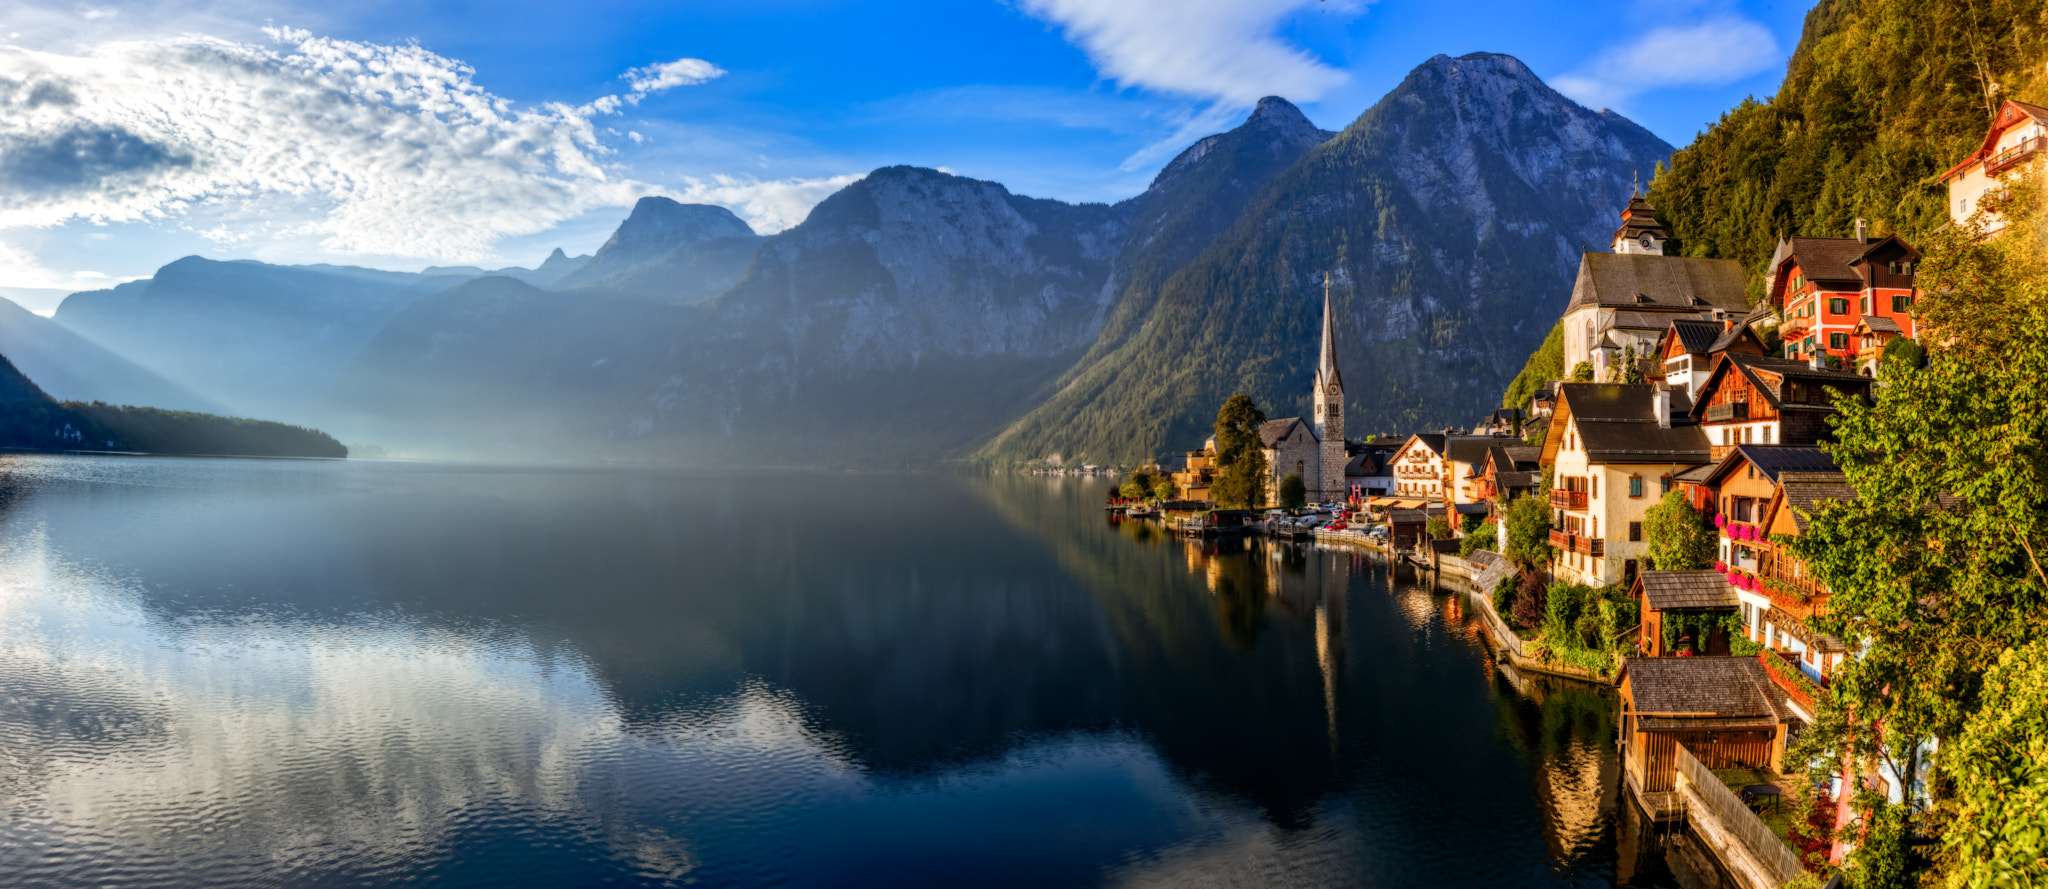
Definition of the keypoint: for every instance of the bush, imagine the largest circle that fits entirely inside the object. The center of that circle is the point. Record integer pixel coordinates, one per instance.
(1476, 541)
(1529, 604)
(1293, 491)
(1440, 528)
(1504, 597)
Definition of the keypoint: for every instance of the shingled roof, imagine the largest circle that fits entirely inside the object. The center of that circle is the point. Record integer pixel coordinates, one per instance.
(1471, 449)
(1696, 336)
(1772, 460)
(1645, 281)
(1825, 259)
(1616, 424)
(1703, 686)
(1272, 431)
(1805, 492)
(1680, 590)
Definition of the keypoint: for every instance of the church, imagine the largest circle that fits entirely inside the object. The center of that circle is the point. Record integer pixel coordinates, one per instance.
(1314, 448)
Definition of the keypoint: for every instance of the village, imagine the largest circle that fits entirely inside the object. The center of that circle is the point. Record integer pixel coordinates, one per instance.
(1634, 523)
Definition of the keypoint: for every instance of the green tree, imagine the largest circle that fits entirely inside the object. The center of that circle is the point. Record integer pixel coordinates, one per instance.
(1293, 491)
(1582, 372)
(1901, 355)
(1677, 537)
(1163, 489)
(1628, 371)
(1477, 540)
(1439, 528)
(1240, 454)
(1544, 364)
(1937, 570)
(1528, 541)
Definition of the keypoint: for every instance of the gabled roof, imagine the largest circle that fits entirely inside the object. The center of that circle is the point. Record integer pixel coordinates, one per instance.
(1366, 466)
(1695, 336)
(1702, 686)
(1879, 324)
(1736, 334)
(1434, 441)
(1646, 281)
(1756, 367)
(1824, 259)
(2009, 114)
(1806, 492)
(1675, 590)
(1887, 244)
(1616, 425)
(1272, 431)
(1471, 449)
(1773, 460)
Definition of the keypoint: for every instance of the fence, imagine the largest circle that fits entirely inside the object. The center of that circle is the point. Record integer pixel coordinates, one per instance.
(1739, 820)
(1501, 633)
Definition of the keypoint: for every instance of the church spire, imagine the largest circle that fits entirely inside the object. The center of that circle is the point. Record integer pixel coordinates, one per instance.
(1327, 376)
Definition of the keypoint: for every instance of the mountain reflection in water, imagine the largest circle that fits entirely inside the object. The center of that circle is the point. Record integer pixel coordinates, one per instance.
(235, 672)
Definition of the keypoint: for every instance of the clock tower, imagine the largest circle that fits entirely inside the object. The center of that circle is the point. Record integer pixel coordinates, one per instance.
(1329, 409)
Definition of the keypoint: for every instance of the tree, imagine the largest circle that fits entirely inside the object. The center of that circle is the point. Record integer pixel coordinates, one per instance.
(1439, 528)
(1937, 574)
(1293, 491)
(1544, 364)
(1240, 454)
(1529, 600)
(1628, 371)
(1901, 355)
(1582, 372)
(1528, 541)
(1476, 541)
(1677, 537)
(1163, 489)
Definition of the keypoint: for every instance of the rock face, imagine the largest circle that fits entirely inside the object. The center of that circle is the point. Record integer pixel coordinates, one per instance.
(1451, 215)
(658, 227)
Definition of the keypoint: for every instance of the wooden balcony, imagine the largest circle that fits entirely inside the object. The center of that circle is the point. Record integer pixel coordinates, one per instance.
(1560, 499)
(1589, 546)
(1723, 412)
(1560, 540)
(2012, 157)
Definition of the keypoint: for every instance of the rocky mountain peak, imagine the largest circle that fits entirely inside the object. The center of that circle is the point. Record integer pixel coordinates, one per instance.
(656, 227)
(1275, 126)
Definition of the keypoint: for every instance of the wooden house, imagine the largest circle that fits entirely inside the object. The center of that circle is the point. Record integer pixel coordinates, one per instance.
(1749, 399)
(1690, 347)
(1614, 448)
(1663, 595)
(1725, 710)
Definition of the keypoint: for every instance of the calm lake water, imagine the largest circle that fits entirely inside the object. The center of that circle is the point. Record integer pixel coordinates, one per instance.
(232, 673)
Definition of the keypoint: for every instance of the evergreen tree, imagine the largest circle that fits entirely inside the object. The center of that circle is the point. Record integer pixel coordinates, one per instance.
(1293, 491)
(1240, 454)
(1582, 372)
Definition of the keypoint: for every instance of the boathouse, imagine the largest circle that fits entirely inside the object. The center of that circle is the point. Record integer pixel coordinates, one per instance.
(1675, 605)
(1725, 710)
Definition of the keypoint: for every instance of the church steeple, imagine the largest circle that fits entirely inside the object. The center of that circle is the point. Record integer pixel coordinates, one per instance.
(1328, 380)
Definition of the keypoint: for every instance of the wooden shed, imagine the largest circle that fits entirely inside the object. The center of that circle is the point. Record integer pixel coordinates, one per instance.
(1726, 710)
(1663, 593)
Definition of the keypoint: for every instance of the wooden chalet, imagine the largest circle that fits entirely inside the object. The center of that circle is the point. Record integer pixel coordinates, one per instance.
(1690, 347)
(1662, 594)
(1725, 710)
(1750, 399)
(1824, 286)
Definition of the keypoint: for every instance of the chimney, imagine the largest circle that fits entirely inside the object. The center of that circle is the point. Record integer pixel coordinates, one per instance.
(1818, 360)
(1862, 232)
(1660, 404)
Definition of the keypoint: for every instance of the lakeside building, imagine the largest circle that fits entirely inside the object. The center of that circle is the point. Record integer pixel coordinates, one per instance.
(2014, 138)
(1663, 594)
(1753, 399)
(1689, 349)
(1616, 449)
(1630, 297)
(1726, 711)
(1761, 494)
(1314, 448)
(1825, 286)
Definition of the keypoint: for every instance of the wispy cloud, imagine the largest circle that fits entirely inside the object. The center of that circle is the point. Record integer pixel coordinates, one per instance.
(1718, 51)
(376, 149)
(1224, 50)
(768, 205)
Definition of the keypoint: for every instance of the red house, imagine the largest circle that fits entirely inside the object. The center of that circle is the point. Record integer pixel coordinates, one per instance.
(1823, 286)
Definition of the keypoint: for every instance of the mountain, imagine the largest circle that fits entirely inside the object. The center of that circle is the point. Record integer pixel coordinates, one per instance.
(670, 252)
(258, 339)
(73, 368)
(32, 420)
(557, 266)
(1451, 215)
(1879, 98)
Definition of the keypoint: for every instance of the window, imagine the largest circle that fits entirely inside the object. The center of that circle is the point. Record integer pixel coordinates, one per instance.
(1745, 614)
(1838, 341)
(1745, 435)
(1663, 485)
(1596, 486)
(1865, 304)
(1838, 305)
(1767, 435)
(1635, 486)
(1635, 532)
(1963, 207)
(1902, 302)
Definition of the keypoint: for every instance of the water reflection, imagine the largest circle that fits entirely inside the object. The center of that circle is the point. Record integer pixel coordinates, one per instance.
(228, 672)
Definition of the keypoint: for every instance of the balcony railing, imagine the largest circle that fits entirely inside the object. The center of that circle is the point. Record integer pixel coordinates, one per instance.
(2011, 157)
(1560, 540)
(1589, 546)
(1567, 499)
(1735, 411)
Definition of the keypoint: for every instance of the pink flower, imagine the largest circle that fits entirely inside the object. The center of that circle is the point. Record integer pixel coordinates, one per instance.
(1720, 521)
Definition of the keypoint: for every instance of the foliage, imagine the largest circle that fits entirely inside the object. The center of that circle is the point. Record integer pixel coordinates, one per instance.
(1582, 372)
(1293, 491)
(1584, 625)
(1676, 536)
(1814, 835)
(1440, 528)
(1935, 567)
(1628, 371)
(1700, 626)
(1143, 483)
(1476, 541)
(1528, 542)
(1163, 489)
(1880, 97)
(1504, 597)
(1741, 646)
(1469, 523)
(1529, 605)
(184, 432)
(2000, 773)
(1240, 454)
(1901, 355)
(1544, 365)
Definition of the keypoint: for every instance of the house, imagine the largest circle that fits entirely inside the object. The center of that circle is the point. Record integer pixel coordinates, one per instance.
(1505, 421)
(1408, 527)
(1690, 347)
(1541, 403)
(1419, 467)
(1511, 471)
(1763, 495)
(1369, 471)
(1614, 449)
(1666, 597)
(1194, 473)
(1628, 298)
(1824, 286)
(1871, 335)
(1752, 399)
(1465, 463)
(1726, 711)
(2013, 139)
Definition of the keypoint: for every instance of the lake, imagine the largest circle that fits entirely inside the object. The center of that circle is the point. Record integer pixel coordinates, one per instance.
(281, 673)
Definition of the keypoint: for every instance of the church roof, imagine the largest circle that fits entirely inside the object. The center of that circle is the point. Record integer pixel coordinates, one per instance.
(1646, 282)
(1326, 368)
(1272, 432)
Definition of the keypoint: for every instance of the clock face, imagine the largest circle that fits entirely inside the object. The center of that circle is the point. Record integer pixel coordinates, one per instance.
(1648, 242)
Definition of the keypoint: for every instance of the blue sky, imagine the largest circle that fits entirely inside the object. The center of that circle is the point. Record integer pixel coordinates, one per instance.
(401, 135)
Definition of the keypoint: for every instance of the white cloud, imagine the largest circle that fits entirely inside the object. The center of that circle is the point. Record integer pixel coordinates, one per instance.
(669, 75)
(1719, 51)
(1224, 50)
(391, 150)
(769, 206)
